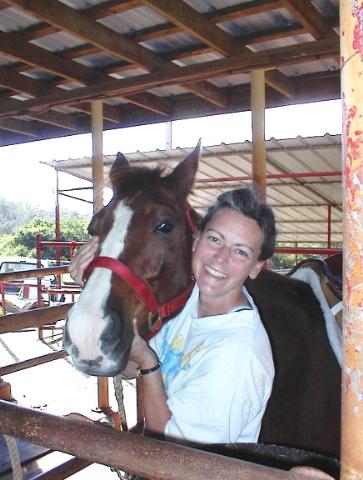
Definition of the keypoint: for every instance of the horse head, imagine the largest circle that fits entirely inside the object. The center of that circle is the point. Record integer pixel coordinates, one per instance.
(143, 263)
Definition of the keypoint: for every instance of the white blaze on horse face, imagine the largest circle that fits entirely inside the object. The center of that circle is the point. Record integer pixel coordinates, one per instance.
(87, 319)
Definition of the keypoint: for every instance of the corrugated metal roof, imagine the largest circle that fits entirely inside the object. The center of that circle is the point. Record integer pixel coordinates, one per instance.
(300, 203)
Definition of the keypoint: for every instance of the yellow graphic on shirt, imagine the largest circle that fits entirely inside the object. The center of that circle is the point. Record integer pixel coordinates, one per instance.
(185, 360)
(172, 358)
(177, 344)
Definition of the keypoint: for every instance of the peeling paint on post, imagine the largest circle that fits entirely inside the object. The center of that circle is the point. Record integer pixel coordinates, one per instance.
(351, 32)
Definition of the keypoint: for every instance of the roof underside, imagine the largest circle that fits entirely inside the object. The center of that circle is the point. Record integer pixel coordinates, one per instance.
(156, 60)
(303, 179)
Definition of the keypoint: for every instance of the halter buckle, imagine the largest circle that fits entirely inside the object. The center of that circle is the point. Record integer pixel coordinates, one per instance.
(152, 319)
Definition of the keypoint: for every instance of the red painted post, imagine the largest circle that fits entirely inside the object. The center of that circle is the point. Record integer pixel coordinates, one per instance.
(38, 247)
(351, 34)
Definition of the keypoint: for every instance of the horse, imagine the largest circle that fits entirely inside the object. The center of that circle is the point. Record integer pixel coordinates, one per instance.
(143, 270)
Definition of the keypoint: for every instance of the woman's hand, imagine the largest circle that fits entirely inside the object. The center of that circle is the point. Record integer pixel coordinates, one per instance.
(82, 259)
(141, 354)
(130, 371)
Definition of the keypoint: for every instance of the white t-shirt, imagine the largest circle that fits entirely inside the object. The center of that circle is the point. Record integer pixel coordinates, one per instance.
(217, 372)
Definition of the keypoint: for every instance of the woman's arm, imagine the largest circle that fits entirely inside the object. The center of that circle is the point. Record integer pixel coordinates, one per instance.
(154, 398)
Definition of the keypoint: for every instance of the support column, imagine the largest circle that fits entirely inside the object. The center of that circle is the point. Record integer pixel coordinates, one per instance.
(97, 176)
(351, 35)
(97, 154)
(329, 227)
(169, 135)
(258, 132)
(57, 228)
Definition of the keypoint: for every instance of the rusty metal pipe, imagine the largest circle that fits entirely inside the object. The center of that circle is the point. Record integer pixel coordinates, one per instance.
(138, 455)
(35, 273)
(33, 318)
(32, 362)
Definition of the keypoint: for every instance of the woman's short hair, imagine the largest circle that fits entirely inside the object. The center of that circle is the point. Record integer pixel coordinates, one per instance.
(244, 200)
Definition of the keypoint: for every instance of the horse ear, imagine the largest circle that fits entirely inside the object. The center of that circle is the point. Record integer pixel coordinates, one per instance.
(94, 228)
(119, 164)
(183, 175)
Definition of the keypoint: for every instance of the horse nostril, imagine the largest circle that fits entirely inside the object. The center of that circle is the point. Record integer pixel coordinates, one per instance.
(112, 332)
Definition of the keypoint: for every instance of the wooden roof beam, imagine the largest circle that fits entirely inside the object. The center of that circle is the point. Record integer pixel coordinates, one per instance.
(24, 84)
(20, 83)
(97, 11)
(70, 20)
(68, 122)
(113, 114)
(12, 44)
(280, 82)
(19, 126)
(218, 16)
(51, 117)
(205, 30)
(188, 19)
(312, 20)
(238, 63)
(325, 85)
(153, 102)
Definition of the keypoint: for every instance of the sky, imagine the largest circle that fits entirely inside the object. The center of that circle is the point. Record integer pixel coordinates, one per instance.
(24, 179)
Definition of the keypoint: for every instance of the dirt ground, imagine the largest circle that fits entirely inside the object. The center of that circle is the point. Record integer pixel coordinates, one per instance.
(57, 388)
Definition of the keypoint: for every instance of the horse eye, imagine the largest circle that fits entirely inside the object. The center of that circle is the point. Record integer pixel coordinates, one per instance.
(164, 227)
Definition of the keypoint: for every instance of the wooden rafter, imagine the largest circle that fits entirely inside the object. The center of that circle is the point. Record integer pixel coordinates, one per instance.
(189, 19)
(138, 50)
(206, 31)
(238, 63)
(70, 20)
(324, 86)
(30, 86)
(309, 17)
(19, 126)
(12, 44)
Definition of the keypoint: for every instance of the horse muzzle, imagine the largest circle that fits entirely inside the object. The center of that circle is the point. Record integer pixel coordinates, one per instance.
(98, 351)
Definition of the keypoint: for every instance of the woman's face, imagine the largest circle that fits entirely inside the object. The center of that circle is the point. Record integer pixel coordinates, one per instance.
(226, 253)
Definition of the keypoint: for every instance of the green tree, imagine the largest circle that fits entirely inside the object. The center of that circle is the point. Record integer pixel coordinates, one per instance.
(14, 214)
(22, 241)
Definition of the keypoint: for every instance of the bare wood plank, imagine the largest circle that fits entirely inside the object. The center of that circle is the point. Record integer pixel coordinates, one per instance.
(70, 20)
(189, 19)
(238, 63)
(309, 88)
(113, 114)
(313, 21)
(97, 11)
(243, 10)
(24, 84)
(69, 122)
(38, 57)
(192, 21)
(19, 126)
(18, 82)
(154, 103)
(218, 16)
(280, 82)
(11, 44)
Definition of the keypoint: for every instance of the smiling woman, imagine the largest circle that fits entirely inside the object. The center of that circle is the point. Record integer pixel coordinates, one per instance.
(218, 334)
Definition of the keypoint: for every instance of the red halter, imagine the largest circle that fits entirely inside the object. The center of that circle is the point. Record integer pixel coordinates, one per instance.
(142, 290)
